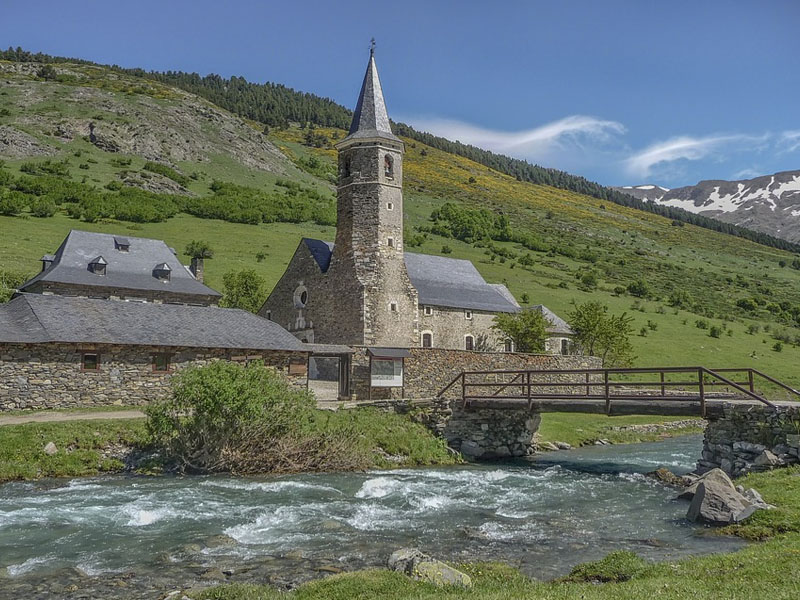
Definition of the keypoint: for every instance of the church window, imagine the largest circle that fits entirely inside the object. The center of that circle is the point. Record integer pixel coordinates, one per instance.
(393, 306)
(428, 311)
(564, 346)
(388, 166)
(427, 340)
(468, 315)
(469, 342)
(509, 346)
(389, 206)
(346, 167)
(300, 297)
(268, 315)
(390, 242)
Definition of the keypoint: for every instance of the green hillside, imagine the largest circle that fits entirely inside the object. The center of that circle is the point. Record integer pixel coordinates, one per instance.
(161, 155)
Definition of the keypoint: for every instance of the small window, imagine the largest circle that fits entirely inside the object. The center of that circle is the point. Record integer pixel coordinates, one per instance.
(469, 343)
(90, 361)
(268, 315)
(393, 307)
(388, 166)
(468, 314)
(346, 168)
(98, 266)
(162, 272)
(428, 311)
(427, 340)
(122, 244)
(389, 206)
(509, 346)
(564, 346)
(161, 363)
(390, 242)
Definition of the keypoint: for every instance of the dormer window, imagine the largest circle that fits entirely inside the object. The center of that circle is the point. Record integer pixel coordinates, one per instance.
(388, 166)
(122, 244)
(98, 266)
(47, 261)
(162, 272)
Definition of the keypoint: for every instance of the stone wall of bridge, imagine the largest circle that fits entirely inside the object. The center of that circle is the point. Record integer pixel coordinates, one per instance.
(751, 437)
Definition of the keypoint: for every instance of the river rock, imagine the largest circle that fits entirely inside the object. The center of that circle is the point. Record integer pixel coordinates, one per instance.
(719, 503)
(667, 477)
(717, 476)
(50, 449)
(563, 446)
(548, 446)
(422, 567)
(471, 449)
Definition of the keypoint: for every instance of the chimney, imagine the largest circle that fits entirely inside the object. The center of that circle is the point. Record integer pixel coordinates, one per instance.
(47, 260)
(197, 269)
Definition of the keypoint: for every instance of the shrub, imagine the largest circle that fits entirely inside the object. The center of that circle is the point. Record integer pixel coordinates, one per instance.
(43, 207)
(12, 203)
(701, 324)
(446, 249)
(244, 289)
(166, 171)
(639, 289)
(652, 325)
(777, 346)
(199, 249)
(747, 304)
(715, 331)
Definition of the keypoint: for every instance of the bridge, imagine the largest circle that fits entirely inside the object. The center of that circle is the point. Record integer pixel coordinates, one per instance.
(691, 391)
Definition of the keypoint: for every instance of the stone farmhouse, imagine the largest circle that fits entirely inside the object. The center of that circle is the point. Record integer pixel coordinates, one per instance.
(109, 319)
(365, 290)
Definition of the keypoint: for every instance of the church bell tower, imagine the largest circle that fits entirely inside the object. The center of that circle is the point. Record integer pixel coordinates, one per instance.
(367, 268)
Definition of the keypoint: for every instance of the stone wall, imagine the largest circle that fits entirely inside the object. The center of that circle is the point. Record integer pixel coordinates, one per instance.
(751, 437)
(50, 375)
(450, 326)
(428, 370)
(116, 293)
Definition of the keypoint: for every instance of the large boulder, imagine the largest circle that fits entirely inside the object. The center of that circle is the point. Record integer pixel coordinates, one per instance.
(716, 476)
(718, 504)
(422, 567)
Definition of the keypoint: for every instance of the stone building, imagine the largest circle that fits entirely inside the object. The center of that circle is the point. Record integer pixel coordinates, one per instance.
(364, 289)
(101, 265)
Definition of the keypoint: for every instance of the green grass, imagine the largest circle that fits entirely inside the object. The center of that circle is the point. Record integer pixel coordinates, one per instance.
(762, 570)
(577, 429)
(79, 443)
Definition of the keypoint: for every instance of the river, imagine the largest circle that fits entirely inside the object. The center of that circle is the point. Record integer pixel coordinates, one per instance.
(117, 536)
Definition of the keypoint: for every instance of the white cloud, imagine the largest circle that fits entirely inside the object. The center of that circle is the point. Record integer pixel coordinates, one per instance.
(685, 147)
(747, 174)
(790, 141)
(537, 144)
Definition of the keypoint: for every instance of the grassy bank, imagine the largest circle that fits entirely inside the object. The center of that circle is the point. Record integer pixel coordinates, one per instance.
(763, 570)
(579, 429)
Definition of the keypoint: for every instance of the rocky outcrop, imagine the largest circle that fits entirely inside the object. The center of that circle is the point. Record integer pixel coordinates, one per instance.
(716, 500)
(422, 567)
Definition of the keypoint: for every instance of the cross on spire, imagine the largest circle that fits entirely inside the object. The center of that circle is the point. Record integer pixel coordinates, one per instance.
(372, 47)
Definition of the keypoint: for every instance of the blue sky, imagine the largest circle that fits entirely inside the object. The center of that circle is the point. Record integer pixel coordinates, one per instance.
(666, 92)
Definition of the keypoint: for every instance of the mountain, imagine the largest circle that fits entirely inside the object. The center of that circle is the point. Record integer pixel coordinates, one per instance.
(769, 203)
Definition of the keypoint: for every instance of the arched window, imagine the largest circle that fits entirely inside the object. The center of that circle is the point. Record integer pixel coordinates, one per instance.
(469, 343)
(300, 297)
(388, 166)
(427, 340)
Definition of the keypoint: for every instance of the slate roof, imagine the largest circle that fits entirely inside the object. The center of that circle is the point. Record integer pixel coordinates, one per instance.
(370, 118)
(557, 324)
(131, 270)
(440, 281)
(36, 318)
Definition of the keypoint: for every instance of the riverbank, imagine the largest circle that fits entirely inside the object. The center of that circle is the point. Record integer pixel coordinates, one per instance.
(769, 569)
(88, 447)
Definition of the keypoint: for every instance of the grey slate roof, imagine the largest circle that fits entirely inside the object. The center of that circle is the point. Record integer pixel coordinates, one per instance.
(557, 324)
(440, 281)
(131, 270)
(36, 318)
(370, 118)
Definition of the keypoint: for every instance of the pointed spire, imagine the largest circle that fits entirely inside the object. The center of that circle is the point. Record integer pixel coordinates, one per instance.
(370, 118)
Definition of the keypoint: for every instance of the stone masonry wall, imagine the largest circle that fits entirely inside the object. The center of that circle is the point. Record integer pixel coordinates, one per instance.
(50, 376)
(450, 326)
(751, 437)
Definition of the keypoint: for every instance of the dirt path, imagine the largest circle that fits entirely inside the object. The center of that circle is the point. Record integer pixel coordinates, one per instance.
(54, 417)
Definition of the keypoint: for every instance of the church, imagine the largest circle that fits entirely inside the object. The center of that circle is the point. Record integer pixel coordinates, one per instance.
(364, 289)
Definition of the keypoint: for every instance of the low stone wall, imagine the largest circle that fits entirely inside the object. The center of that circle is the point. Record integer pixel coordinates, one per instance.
(751, 437)
(428, 370)
(49, 375)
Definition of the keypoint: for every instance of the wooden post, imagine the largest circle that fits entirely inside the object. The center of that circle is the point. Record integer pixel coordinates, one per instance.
(750, 380)
(463, 389)
(530, 400)
(607, 392)
(663, 391)
(702, 386)
(587, 383)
